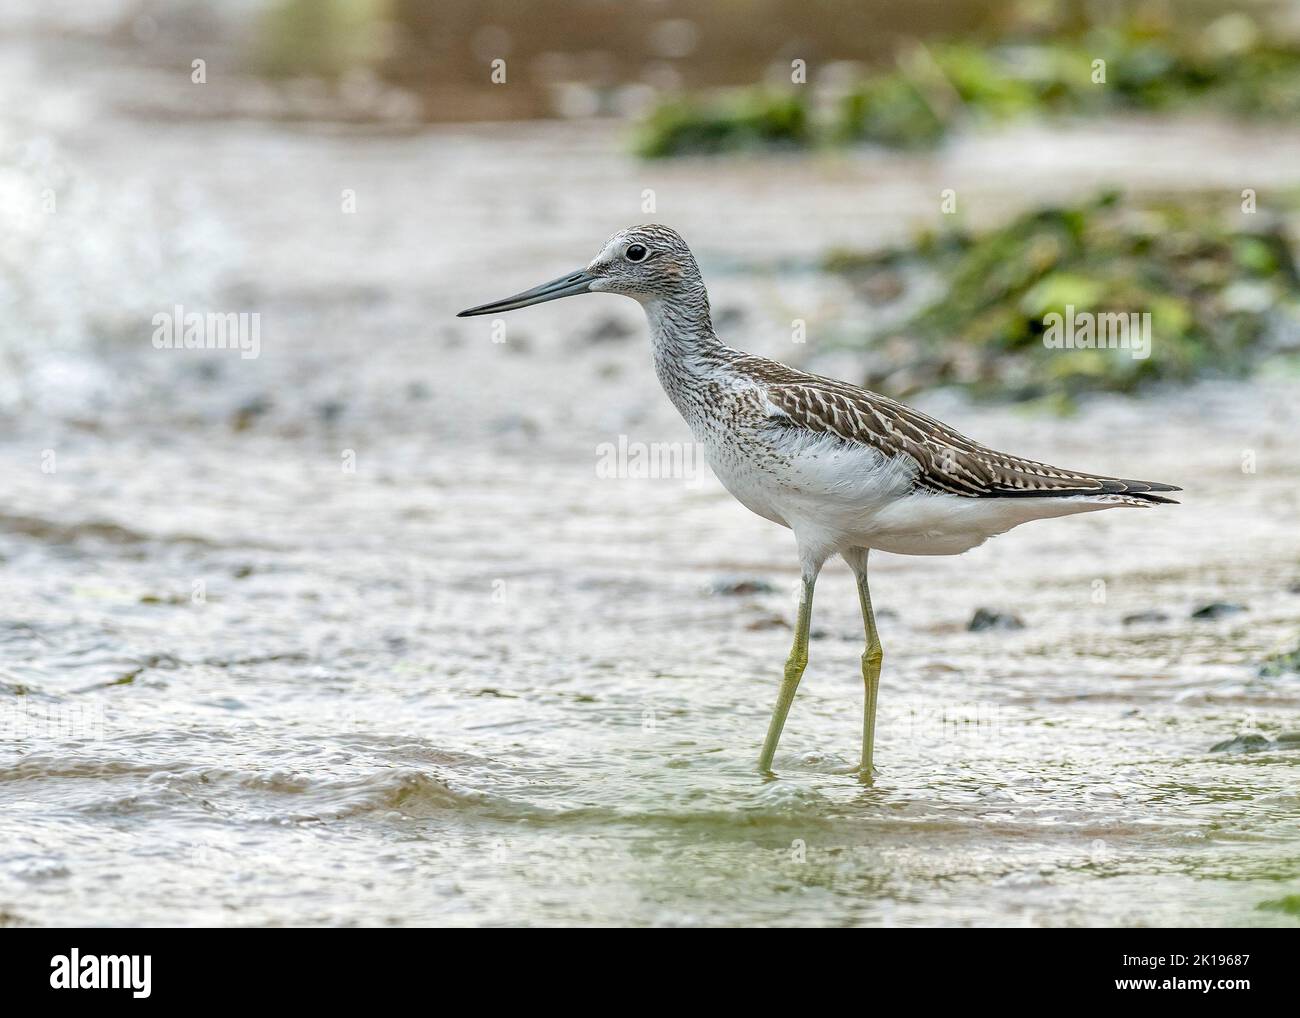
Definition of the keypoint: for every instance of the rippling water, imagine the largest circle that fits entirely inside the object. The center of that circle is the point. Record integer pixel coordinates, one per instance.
(470, 681)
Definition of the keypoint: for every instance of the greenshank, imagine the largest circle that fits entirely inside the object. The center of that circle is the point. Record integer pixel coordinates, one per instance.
(847, 470)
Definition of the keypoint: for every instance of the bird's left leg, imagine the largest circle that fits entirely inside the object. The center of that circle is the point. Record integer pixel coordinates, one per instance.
(871, 659)
(794, 665)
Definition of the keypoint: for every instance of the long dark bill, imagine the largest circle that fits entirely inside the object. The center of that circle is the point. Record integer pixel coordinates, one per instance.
(565, 286)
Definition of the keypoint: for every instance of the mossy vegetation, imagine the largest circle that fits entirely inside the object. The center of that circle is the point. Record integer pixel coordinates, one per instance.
(740, 120)
(1288, 905)
(1220, 287)
(1231, 65)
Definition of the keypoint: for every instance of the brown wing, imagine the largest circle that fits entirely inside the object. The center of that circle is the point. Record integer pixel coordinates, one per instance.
(947, 461)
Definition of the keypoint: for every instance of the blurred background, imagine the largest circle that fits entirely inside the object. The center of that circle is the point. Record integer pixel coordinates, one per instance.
(345, 623)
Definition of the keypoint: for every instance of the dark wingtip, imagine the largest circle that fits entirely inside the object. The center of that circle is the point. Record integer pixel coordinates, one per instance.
(1136, 487)
(1140, 490)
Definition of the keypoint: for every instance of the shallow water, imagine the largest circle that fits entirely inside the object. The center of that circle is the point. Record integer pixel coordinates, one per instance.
(474, 682)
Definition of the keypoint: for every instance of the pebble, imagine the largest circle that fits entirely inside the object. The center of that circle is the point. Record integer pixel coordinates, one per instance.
(986, 618)
(1217, 610)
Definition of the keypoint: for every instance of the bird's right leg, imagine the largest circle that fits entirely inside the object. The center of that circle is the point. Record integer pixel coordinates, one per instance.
(794, 667)
(871, 659)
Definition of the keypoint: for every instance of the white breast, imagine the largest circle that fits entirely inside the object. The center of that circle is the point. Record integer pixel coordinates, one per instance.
(807, 481)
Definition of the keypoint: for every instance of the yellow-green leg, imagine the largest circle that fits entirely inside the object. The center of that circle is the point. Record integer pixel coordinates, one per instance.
(794, 667)
(871, 659)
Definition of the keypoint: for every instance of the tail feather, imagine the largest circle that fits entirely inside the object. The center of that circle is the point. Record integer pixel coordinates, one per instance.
(1146, 496)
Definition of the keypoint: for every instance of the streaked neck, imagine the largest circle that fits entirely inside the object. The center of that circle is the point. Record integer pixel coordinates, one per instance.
(681, 329)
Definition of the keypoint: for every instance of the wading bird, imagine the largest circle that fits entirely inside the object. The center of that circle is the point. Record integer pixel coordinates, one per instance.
(845, 469)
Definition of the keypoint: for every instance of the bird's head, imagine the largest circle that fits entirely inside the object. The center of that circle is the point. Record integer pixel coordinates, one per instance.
(645, 263)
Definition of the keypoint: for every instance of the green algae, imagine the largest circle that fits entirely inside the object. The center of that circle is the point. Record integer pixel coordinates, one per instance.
(1219, 287)
(1231, 66)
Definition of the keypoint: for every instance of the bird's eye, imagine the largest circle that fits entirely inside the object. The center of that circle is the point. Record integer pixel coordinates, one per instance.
(636, 253)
